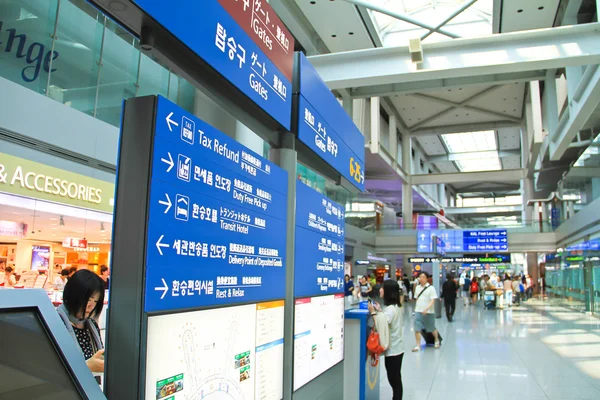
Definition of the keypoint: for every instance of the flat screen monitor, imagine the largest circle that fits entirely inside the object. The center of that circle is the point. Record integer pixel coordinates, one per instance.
(40, 257)
(31, 366)
(318, 336)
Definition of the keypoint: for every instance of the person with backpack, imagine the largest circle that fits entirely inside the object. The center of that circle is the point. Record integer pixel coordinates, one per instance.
(474, 290)
(390, 320)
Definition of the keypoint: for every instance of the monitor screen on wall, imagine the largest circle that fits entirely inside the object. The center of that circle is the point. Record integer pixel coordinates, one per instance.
(318, 336)
(229, 353)
(40, 257)
(30, 364)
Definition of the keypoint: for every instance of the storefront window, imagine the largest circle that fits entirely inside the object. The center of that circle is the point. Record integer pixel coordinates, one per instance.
(26, 32)
(74, 54)
(79, 34)
(118, 72)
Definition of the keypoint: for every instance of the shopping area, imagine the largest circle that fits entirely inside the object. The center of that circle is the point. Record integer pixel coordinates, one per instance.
(50, 220)
(232, 178)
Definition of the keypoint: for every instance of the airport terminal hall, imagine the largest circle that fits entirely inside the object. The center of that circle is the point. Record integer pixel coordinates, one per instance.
(299, 199)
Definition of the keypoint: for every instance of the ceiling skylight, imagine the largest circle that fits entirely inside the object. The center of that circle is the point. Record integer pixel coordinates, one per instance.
(476, 20)
(469, 142)
(481, 147)
(490, 164)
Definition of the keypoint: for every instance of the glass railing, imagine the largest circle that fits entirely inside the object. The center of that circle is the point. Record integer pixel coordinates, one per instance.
(524, 227)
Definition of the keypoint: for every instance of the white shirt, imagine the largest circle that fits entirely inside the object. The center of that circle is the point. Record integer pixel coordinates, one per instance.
(58, 283)
(394, 318)
(424, 299)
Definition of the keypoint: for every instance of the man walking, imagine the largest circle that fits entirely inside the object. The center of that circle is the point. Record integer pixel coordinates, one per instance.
(424, 312)
(449, 290)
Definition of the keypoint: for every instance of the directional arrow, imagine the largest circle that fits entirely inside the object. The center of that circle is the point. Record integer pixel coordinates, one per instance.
(169, 162)
(166, 203)
(170, 121)
(159, 244)
(164, 288)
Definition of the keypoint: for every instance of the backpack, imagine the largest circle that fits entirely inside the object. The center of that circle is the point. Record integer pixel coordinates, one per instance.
(521, 288)
(474, 287)
(378, 336)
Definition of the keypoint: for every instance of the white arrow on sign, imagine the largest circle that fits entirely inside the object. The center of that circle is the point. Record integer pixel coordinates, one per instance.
(169, 162)
(159, 244)
(166, 203)
(164, 288)
(170, 121)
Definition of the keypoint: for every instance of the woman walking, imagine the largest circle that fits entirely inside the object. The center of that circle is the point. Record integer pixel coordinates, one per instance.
(390, 293)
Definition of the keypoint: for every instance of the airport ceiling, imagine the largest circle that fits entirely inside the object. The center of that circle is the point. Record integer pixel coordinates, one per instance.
(342, 26)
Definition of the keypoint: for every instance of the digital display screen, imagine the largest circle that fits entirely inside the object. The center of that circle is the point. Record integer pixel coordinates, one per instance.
(30, 365)
(226, 353)
(40, 257)
(318, 336)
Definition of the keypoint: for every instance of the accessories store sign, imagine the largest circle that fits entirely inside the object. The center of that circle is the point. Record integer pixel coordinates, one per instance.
(30, 179)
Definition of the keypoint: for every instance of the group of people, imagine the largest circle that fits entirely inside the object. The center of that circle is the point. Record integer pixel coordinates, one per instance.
(391, 295)
(61, 280)
(510, 290)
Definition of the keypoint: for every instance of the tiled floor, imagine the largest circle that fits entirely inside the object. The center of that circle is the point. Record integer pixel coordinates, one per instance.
(537, 351)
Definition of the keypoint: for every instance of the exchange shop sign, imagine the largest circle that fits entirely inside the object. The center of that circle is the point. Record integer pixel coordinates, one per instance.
(217, 218)
(214, 35)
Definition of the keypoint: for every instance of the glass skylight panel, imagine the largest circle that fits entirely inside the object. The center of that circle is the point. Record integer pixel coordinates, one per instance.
(469, 142)
(474, 21)
(491, 164)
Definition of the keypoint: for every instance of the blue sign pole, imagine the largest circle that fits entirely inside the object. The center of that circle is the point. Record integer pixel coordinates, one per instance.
(217, 218)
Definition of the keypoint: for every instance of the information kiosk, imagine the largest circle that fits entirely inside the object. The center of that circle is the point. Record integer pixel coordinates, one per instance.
(38, 357)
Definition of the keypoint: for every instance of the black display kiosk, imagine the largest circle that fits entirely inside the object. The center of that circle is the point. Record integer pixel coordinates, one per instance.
(38, 357)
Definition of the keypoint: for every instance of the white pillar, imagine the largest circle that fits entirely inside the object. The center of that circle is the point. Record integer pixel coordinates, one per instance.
(375, 125)
(393, 138)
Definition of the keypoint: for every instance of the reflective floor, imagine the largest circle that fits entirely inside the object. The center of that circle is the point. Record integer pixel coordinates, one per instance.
(537, 351)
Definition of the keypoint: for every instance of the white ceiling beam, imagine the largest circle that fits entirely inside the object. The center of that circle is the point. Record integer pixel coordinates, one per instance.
(450, 17)
(579, 110)
(507, 175)
(435, 85)
(401, 17)
(495, 54)
(460, 128)
(496, 210)
(584, 172)
(476, 155)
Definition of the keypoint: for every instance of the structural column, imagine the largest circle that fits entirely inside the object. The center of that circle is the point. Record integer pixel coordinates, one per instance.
(287, 158)
(527, 194)
(407, 200)
(533, 270)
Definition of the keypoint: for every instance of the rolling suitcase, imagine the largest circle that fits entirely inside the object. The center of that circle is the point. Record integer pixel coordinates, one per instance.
(429, 338)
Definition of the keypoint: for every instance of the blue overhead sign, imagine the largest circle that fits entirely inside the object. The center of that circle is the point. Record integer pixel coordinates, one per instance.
(319, 244)
(217, 218)
(463, 241)
(485, 240)
(325, 127)
(209, 31)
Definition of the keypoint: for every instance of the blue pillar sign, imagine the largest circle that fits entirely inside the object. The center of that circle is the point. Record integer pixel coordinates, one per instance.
(319, 248)
(325, 127)
(217, 218)
(209, 31)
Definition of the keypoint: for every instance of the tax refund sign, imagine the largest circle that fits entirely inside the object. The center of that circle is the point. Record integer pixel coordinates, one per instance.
(221, 39)
(325, 127)
(217, 218)
(319, 247)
